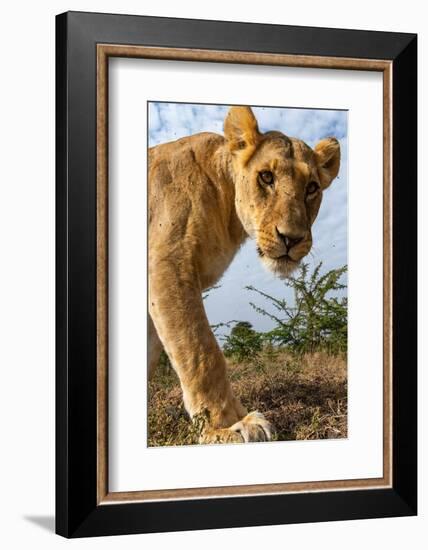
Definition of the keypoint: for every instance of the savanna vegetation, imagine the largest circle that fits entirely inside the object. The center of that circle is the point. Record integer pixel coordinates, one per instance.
(296, 373)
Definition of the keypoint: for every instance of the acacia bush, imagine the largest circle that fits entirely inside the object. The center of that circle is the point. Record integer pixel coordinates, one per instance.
(317, 321)
(243, 341)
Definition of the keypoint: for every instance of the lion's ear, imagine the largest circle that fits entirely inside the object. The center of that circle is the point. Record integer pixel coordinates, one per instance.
(242, 132)
(327, 153)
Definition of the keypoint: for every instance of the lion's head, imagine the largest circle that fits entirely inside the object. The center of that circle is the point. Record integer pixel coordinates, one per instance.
(279, 183)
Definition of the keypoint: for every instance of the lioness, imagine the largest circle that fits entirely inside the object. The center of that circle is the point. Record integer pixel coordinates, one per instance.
(207, 195)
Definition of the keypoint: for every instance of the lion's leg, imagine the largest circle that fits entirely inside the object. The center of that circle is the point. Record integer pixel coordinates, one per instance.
(154, 347)
(179, 317)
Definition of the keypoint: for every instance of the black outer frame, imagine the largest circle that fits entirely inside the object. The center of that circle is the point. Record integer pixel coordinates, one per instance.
(77, 513)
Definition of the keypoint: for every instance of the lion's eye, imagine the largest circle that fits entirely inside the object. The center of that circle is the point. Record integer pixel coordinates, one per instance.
(266, 177)
(312, 188)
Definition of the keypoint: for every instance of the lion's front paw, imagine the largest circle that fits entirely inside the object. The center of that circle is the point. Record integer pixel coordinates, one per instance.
(253, 427)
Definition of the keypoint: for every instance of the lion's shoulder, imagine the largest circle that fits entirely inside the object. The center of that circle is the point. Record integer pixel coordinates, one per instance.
(199, 144)
(186, 162)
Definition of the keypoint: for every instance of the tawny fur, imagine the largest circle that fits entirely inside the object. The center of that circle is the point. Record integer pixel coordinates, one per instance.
(206, 197)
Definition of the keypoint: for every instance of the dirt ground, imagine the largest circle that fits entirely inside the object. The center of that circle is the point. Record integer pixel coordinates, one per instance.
(305, 397)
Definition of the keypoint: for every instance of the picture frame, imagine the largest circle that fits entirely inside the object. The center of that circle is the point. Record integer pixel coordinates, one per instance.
(84, 44)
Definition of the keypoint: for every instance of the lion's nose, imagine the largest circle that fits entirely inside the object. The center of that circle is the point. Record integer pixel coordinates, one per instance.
(289, 240)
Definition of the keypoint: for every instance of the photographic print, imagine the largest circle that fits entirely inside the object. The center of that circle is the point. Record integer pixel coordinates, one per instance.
(247, 263)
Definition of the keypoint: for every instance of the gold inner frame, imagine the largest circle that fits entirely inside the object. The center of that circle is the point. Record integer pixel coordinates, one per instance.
(104, 51)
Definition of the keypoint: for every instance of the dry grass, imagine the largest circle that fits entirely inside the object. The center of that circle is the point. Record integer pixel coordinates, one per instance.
(305, 397)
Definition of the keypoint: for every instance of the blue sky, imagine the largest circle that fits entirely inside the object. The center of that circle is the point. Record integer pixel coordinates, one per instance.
(170, 121)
